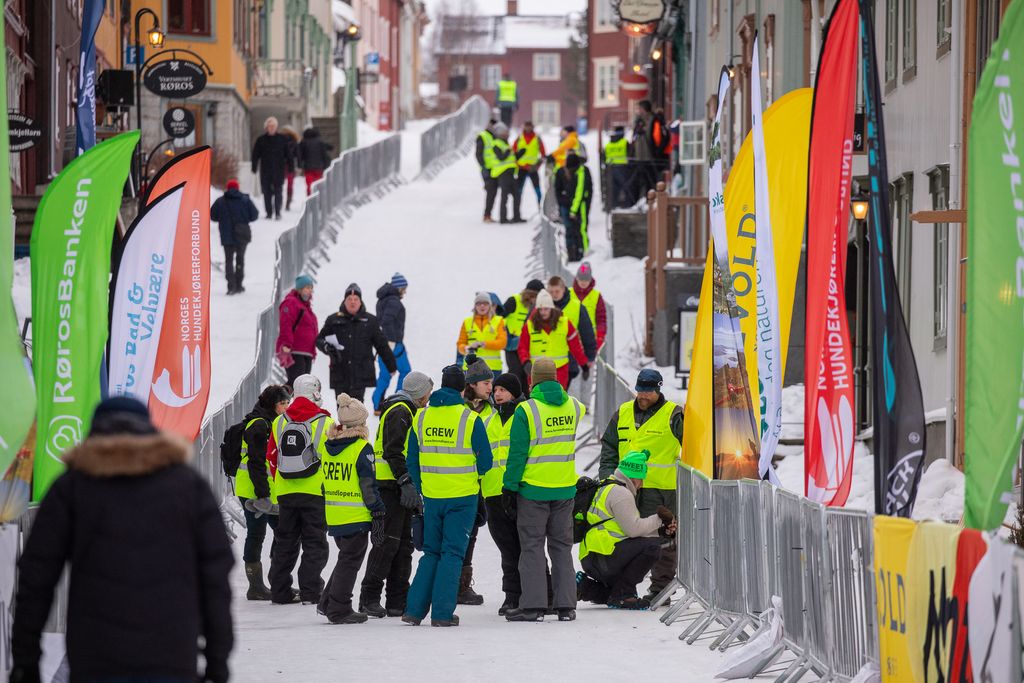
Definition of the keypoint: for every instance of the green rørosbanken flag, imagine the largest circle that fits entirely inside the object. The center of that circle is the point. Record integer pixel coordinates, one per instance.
(16, 418)
(994, 396)
(71, 241)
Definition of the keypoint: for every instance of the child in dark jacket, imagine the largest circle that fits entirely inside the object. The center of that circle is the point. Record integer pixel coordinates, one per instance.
(233, 211)
(391, 317)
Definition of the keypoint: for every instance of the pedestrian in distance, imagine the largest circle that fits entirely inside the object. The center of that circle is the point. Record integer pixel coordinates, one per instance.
(654, 424)
(296, 449)
(391, 316)
(508, 393)
(253, 486)
(147, 555)
(569, 142)
(506, 97)
(617, 164)
(485, 160)
(293, 156)
(539, 490)
(390, 562)
(548, 333)
(584, 287)
(529, 161)
(483, 333)
(448, 452)
(297, 330)
(620, 545)
(314, 157)
(349, 338)
(566, 301)
(273, 158)
(234, 211)
(505, 170)
(352, 505)
(516, 310)
(574, 188)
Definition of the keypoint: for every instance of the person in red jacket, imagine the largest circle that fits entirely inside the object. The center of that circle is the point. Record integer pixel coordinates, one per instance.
(585, 286)
(540, 329)
(297, 330)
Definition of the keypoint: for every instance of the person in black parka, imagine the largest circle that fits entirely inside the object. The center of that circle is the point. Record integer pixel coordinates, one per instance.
(148, 557)
(314, 157)
(272, 155)
(233, 211)
(349, 337)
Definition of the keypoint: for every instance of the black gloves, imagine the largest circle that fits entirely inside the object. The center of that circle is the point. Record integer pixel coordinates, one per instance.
(24, 674)
(377, 528)
(481, 513)
(410, 497)
(508, 503)
(585, 371)
(520, 153)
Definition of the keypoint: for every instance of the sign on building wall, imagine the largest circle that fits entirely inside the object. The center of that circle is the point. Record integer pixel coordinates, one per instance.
(641, 11)
(24, 132)
(175, 79)
(179, 122)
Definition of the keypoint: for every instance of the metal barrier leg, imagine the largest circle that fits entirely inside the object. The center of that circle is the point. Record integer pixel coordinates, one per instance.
(671, 615)
(767, 659)
(666, 593)
(798, 663)
(711, 618)
(734, 631)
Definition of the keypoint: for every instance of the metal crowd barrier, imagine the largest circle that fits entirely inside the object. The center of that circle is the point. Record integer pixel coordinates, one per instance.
(446, 139)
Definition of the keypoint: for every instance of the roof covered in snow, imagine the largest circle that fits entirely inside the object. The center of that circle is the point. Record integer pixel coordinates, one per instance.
(495, 35)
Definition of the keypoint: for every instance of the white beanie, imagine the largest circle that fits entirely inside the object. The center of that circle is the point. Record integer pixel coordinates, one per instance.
(544, 300)
(308, 386)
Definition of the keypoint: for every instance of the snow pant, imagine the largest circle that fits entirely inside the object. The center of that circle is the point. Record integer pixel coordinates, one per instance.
(272, 189)
(447, 523)
(311, 177)
(234, 265)
(507, 185)
(524, 175)
(390, 561)
(490, 192)
(647, 502)
(506, 114)
(255, 533)
(301, 523)
(576, 241)
(550, 521)
(303, 365)
(336, 601)
(355, 392)
(506, 537)
(621, 571)
(384, 377)
(289, 181)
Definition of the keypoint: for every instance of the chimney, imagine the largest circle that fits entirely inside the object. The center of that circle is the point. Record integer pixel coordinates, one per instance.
(513, 8)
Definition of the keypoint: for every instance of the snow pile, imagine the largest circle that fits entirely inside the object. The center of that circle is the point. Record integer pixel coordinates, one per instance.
(940, 495)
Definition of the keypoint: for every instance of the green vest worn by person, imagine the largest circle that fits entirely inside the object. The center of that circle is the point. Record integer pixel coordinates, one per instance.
(615, 152)
(447, 460)
(507, 91)
(343, 499)
(243, 482)
(488, 140)
(531, 149)
(514, 323)
(553, 345)
(497, 435)
(551, 462)
(312, 484)
(604, 533)
(589, 304)
(490, 332)
(656, 436)
(384, 472)
(502, 165)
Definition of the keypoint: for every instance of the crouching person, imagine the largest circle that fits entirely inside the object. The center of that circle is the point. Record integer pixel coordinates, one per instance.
(621, 546)
(352, 506)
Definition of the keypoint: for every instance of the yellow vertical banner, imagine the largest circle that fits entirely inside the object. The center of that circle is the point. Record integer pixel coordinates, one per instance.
(786, 134)
(931, 568)
(893, 537)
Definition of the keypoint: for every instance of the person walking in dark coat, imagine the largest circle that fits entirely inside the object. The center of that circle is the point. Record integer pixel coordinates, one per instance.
(297, 330)
(349, 338)
(314, 157)
(271, 156)
(234, 211)
(293, 156)
(391, 316)
(148, 559)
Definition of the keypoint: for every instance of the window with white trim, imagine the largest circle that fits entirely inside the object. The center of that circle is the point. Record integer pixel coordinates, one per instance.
(909, 39)
(547, 113)
(547, 66)
(892, 32)
(938, 186)
(490, 74)
(692, 135)
(605, 20)
(902, 192)
(606, 82)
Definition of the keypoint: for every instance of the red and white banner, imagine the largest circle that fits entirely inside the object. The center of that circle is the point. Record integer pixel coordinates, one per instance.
(181, 373)
(828, 368)
(140, 297)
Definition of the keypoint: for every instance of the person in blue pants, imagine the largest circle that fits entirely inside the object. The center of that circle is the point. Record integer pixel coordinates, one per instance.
(391, 316)
(448, 452)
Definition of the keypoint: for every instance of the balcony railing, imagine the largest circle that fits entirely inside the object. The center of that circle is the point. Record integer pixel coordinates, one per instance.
(279, 78)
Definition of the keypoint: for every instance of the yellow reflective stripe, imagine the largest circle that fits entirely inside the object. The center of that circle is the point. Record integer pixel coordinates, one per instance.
(438, 469)
(656, 465)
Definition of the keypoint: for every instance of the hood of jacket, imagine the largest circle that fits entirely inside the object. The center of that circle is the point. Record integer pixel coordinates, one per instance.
(387, 290)
(551, 393)
(399, 397)
(297, 298)
(302, 409)
(127, 455)
(446, 397)
(310, 134)
(625, 481)
(616, 136)
(234, 194)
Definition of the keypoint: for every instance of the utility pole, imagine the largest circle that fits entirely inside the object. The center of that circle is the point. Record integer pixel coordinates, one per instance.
(347, 125)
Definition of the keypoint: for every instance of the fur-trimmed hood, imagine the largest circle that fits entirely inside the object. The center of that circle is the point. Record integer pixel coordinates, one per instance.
(339, 431)
(127, 455)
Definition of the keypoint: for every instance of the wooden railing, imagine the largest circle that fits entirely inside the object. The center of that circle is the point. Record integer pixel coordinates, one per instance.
(677, 232)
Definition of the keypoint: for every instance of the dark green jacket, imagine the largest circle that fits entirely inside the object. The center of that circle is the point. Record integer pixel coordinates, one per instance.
(552, 394)
(610, 440)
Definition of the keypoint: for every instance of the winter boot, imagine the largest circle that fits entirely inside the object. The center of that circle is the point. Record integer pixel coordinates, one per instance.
(630, 602)
(410, 619)
(372, 609)
(350, 618)
(444, 623)
(518, 614)
(468, 596)
(395, 611)
(257, 589)
(567, 615)
(511, 602)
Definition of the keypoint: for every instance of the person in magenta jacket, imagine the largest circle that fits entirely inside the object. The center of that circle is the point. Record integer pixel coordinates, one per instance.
(297, 330)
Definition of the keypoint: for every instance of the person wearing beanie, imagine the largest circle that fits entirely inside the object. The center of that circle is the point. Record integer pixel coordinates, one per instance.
(507, 395)
(585, 289)
(483, 333)
(506, 172)
(297, 329)
(548, 333)
(349, 338)
(297, 436)
(485, 159)
(652, 423)
(391, 316)
(565, 300)
(516, 309)
(234, 211)
(539, 489)
(390, 561)
(448, 452)
(477, 393)
(252, 485)
(622, 545)
(147, 555)
(348, 477)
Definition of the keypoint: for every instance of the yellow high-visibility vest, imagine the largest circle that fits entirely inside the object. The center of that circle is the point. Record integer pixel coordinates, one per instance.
(384, 472)
(605, 533)
(514, 323)
(343, 499)
(488, 334)
(532, 150)
(502, 165)
(313, 484)
(488, 139)
(553, 345)
(589, 304)
(615, 152)
(498, 435)
(507, 91)
(447, 460)
(243, 482)
(656, 436)
(551, 460)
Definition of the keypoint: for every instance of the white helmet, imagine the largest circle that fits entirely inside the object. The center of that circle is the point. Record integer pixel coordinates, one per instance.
(308, 386)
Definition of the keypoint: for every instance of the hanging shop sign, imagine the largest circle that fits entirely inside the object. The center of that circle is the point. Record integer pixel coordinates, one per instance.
(179, 122)
(175, 79)
(24, 132)
(641, 11)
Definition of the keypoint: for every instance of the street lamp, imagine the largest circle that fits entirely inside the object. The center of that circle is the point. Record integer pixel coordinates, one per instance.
(155, 37)
(859, 206)
(350, 36)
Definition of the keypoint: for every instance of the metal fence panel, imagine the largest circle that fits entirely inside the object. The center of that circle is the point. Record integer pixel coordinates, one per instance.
(790, 547)
(449, 134)
(817, 586)
(850, 548)
(755, 549)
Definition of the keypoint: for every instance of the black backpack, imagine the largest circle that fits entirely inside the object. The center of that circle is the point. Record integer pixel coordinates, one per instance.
(231, 448)
(586, 489)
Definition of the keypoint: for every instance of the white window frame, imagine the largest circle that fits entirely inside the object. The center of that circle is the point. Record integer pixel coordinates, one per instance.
(693, 143)
(542, 74)
(487, 83)
(602, 67)
(605, 20)
(541, 121)
(908, 39)
(892, 41)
